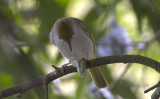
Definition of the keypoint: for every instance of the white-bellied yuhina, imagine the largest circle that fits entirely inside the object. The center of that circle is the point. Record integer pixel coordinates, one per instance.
(75, 42)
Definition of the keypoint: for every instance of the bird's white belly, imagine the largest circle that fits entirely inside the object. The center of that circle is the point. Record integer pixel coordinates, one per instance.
(82, 47)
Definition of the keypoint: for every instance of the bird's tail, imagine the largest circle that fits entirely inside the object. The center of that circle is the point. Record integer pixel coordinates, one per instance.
(97, 77)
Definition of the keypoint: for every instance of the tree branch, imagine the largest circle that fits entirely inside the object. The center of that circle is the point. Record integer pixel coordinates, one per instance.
(70, 69)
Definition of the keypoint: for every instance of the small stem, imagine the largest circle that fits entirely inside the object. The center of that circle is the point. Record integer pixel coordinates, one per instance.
(56, 68)
(153, 87)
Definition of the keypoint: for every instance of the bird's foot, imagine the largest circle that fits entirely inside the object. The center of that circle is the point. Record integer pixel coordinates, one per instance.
(84, 59)
(80, 64)
(63, 67)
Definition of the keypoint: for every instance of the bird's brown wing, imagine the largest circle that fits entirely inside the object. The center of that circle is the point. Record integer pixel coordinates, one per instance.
(85, 28)
(88, 33)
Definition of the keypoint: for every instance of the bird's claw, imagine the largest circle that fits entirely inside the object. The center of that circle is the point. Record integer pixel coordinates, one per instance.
(63, 67)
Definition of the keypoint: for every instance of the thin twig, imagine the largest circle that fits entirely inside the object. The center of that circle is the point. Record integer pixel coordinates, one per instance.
(46, 85)
(147, 43)
(156, 36)
(153, 8)
(114, 83)
(107, 2)
(153, 87)
(55, 67)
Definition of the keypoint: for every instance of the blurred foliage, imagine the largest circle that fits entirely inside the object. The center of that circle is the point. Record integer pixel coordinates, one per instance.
(25, 51)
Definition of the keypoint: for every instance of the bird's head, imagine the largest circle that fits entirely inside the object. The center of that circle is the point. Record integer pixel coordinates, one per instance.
(64, 27)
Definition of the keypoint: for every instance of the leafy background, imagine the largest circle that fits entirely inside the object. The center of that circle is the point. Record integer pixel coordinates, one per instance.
(25, 51)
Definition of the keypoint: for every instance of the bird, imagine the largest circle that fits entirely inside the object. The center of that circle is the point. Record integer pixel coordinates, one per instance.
(75, 42)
